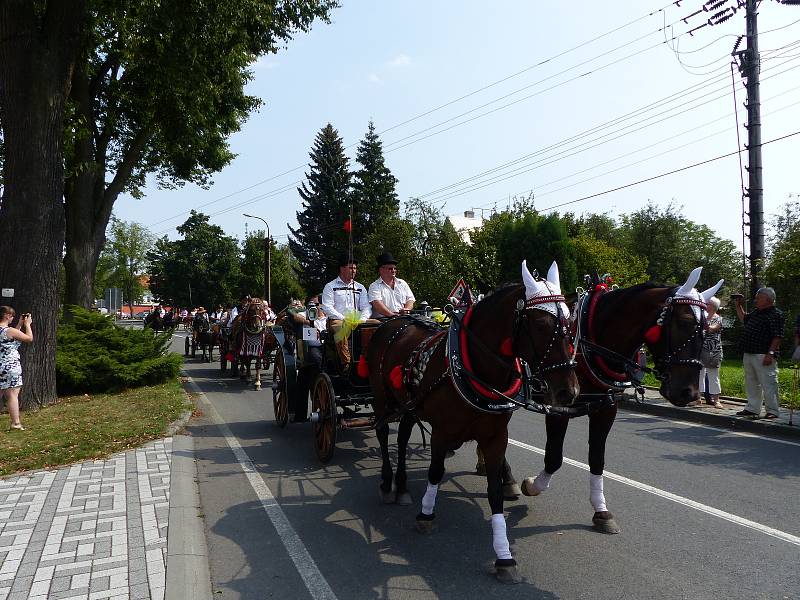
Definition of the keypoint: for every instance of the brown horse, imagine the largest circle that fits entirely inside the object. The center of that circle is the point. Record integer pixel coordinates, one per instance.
(611, 327)
(254, 339)
(515, 340)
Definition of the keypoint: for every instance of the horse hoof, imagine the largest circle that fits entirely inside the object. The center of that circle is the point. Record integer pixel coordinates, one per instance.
(404, 499)
(528, 488)
(480, 469)
(506, 573)
(511, 491)
(604, 523)
(424, 527)
(388, 497)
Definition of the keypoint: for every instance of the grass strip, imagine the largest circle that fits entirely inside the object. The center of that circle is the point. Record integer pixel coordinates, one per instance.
(79, 428)
(731, 378)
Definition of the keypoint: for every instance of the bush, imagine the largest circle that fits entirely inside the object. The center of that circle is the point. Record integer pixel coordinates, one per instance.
(95, 355)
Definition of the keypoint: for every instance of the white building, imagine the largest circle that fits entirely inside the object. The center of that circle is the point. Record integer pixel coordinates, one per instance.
(464, 224)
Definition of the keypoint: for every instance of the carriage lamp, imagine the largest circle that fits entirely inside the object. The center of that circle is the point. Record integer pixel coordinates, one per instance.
(426, 309)
(311, 311)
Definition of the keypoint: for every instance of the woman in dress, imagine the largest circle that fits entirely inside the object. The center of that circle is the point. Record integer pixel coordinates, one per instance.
(712, 354)
(10, 367)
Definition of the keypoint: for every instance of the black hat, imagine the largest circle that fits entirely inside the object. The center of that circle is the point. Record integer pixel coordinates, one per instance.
(386, 259)
(346, 258)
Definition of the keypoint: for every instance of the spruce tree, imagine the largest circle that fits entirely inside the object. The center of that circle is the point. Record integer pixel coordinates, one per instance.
(374, 196)
(320, 236)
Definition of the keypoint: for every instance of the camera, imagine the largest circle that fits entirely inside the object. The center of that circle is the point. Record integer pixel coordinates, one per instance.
(736, 296)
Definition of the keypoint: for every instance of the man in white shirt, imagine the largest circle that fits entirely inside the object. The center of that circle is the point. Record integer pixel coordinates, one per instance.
(388, 294)
(340, 296)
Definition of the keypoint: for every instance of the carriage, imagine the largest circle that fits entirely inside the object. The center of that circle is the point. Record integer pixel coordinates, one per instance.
(202, 338)
(340, 399)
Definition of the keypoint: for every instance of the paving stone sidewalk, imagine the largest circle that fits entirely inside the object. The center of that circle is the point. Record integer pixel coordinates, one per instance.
(96, 529)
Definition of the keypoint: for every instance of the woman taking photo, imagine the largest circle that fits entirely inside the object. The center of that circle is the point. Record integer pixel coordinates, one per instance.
(10, 366)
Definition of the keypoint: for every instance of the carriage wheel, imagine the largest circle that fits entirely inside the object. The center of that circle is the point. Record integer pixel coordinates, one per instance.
(323, 402)
(186, 347)
(280, 391)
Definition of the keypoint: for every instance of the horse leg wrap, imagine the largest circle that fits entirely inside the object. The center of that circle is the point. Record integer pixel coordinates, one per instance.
(596, 496)
(429, 499)
(499, 538)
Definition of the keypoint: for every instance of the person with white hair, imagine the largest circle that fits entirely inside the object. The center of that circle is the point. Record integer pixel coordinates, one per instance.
(760, 342)
(711, 356)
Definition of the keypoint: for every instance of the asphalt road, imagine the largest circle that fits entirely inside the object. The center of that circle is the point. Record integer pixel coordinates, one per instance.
(704, 513)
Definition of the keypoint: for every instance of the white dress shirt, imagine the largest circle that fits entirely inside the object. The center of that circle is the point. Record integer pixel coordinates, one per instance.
(339, 297)
(394, 299)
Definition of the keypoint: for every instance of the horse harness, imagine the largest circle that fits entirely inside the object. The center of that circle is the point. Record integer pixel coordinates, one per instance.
(479, 394)
(592, 357)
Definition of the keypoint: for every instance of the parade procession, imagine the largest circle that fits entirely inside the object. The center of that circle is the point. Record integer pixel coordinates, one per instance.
(337, 300)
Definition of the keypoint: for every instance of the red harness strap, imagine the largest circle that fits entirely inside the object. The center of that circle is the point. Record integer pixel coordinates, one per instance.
(599, 290)
(515, 387)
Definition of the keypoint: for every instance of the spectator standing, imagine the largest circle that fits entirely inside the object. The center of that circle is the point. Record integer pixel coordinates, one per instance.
(761, 339)
(10, 365)
(388, 294)
(712, 354)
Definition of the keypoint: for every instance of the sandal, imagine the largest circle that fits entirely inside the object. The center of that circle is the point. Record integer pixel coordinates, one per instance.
(770, 416)
(16, 428)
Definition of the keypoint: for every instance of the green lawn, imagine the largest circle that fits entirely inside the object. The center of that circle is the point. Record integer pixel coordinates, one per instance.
(82, 427)
(731, 377)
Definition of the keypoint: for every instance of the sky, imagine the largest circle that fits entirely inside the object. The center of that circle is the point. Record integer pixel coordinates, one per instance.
(575, 98)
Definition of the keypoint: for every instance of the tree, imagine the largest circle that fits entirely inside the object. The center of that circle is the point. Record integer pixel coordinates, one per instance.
(373, 188)
(38, 46)
(592, 254)
(158, 89)
(128, 248)
(320, 236)
(285, 283)
(200, 269)
(783, 264)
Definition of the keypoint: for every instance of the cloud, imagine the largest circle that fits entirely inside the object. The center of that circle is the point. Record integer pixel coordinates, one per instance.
(399, 61)
(373, 78)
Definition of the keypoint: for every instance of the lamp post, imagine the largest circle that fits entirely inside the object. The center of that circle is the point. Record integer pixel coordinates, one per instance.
(267, 260)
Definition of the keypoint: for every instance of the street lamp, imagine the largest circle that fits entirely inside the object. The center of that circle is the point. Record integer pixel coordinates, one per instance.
(267, 260)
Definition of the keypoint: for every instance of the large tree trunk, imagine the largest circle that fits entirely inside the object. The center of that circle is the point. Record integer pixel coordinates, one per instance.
(36, 59)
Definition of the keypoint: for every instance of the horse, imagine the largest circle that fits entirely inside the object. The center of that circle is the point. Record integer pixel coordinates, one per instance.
(203, 338)
(610, 328)
(254, 339)
(154, 321)
(515, 339)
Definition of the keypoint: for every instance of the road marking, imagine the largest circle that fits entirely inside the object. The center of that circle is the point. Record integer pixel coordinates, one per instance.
(315, 582)
(776, 533)
(745, 434)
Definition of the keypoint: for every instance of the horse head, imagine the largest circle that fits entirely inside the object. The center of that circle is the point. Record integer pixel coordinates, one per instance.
(541, 336)
(676, 340)
(255, 316)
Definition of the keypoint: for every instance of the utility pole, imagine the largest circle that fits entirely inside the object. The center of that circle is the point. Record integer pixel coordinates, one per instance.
(751, 69)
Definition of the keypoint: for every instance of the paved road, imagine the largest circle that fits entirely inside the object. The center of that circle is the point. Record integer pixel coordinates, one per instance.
(705, 513)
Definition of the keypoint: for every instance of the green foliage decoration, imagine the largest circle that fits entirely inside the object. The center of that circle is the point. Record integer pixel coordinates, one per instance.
(95, 355)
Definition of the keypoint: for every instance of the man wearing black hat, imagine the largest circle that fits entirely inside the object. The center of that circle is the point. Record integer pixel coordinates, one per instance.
(342, 295)
(388, 294)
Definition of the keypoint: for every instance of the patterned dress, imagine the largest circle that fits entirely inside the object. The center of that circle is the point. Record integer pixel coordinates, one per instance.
(712, 344)
(10, 366)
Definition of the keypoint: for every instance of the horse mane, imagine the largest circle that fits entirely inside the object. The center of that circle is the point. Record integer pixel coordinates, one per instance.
(610, 302)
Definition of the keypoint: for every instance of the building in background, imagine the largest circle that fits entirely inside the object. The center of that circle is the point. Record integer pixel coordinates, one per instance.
(465, 224)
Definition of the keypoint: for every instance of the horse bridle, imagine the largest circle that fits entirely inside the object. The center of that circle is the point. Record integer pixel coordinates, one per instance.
(664, 364)
(561, 330)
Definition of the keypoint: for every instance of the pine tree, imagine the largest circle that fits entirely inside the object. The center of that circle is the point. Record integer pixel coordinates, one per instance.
(320, 236)
(374, 196)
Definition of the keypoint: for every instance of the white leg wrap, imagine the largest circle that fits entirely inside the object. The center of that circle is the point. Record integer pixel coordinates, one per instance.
(542, 481)
(429, 499)
(499, 538)
(596, 496)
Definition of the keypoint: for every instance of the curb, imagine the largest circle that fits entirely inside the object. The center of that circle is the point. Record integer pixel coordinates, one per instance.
(188, 574)
(766, 428)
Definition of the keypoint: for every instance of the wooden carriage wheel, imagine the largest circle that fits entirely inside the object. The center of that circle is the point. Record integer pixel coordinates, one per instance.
(280, 390)
(323, 402)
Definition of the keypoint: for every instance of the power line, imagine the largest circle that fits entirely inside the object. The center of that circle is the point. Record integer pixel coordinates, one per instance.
(660, 175)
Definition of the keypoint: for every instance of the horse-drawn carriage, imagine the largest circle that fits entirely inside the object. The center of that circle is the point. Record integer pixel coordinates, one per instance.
(250, 340)
(202, 338)
(308, 364)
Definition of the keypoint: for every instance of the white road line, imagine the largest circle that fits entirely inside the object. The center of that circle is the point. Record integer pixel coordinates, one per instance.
(745, 434)
(315, 582)
(776, 533)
